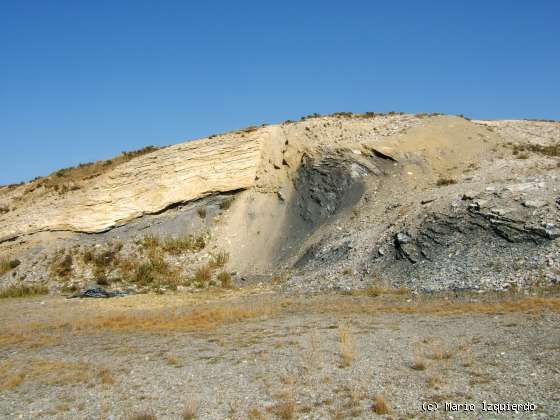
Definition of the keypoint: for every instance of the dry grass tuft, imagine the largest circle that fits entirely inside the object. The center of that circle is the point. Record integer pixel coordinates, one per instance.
(380, 406)
(375, 291)
(144, 415)
(150, 241)
(418, 363)
(285, 410)
(439, 352)
(174, 245)
(226, 204)
(479, 378)
(7, 265)
(190, 410)
(173, 360)
(220, 259)
(467, 359)
(182, 244)
(255, 414)
(434, 381)
(203, 274)
(154, 272)
(288, 379)
(225, 280)
(43, 371)
(22, 290)
(61, 265)
(105, 376)
(9, 377)
(445, 181)
(345, 346)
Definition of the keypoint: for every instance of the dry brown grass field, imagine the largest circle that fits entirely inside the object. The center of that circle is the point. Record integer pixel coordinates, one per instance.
(254, 353)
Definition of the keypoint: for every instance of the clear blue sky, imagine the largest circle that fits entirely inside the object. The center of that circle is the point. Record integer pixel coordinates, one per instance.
(85, 80)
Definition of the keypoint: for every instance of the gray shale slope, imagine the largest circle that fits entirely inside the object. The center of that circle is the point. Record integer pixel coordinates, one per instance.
(427, 202)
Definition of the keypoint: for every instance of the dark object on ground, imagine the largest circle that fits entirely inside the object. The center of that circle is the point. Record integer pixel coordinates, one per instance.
(98, 292)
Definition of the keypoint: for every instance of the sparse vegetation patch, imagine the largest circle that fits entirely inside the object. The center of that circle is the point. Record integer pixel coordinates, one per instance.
(345, 345)
(380, 406)
(224, 278)
(226, 204)
(69, 179)
(550, 150)
(23, 290)
(7, 264)
(445, 181)
(150, 262)
(220, 259)
(62, 265)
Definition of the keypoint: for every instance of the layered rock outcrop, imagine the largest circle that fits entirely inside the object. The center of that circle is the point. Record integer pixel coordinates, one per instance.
(146, 184)
(425, 202)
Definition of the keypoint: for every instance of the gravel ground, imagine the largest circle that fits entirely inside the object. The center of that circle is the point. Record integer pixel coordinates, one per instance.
(330, 360)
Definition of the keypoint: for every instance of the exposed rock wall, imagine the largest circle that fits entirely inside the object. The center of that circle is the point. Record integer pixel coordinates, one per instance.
(147, 184)
(430, 203)
(262, 157)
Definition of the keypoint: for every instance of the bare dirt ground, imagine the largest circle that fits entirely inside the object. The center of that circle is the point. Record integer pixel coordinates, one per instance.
(253, 353)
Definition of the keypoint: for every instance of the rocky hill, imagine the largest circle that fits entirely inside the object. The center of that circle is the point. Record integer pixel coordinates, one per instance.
(427, 202)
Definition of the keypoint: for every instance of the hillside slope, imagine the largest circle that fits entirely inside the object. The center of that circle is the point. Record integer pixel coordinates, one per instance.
(344, 201)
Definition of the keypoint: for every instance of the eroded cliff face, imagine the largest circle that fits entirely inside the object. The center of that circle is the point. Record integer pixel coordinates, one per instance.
(326, 202)
(261, 157)
(145, 185)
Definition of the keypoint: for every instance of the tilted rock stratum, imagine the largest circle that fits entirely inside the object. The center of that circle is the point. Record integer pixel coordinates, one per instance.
(175, 174)
(423, 201)
(145, 185)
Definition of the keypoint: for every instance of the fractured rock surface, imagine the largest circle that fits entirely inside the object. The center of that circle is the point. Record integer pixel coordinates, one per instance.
(336, 202)
(145, 185)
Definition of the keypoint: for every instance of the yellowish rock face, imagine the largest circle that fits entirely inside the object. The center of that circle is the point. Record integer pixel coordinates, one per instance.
(146, 184)
(265, 159)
